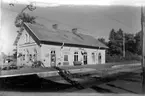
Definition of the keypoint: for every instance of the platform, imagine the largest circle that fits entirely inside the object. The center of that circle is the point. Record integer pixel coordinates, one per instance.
(100, 70)
(49, 70)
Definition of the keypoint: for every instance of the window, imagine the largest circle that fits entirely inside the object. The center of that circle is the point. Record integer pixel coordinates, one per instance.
(99, 58)
(65, 57)
(23, 57)
(24, 52)
(76, 56)
(27, 55)
(35, 54)
(53, 57)
(85, 58)
(30, 57)
(99, 55)
(26, 36)
(52, 52)
(93, 57)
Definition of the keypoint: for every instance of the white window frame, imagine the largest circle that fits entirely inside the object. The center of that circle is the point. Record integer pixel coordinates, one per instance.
(93, 57)
(76, 56)
(64, 58)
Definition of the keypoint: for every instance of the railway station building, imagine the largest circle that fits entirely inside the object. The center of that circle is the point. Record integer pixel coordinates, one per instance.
(57, 47)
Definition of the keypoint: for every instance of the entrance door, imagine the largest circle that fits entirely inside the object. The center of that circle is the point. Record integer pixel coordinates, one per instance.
(99, 58)
(53, 58)
(85, 58)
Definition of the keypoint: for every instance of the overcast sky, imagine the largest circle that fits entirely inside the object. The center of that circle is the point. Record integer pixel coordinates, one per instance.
(93, 20)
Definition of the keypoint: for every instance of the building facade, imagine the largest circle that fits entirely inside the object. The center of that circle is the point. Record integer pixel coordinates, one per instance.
(57, 47)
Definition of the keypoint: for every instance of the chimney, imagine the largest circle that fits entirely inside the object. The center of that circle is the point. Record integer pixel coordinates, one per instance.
(74, 30)
(55, 26)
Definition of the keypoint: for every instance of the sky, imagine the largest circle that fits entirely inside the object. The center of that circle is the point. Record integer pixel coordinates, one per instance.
(95, 20)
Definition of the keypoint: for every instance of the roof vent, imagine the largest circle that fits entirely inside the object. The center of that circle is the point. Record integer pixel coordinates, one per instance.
(55, 26)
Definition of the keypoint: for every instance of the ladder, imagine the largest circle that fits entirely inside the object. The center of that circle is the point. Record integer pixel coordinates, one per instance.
(66, 75)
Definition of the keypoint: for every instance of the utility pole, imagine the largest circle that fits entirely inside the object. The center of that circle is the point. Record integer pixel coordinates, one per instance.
(123, 44)
(143, 49)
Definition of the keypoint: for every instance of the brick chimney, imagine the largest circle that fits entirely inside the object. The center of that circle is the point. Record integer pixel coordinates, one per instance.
(74, 30)
(55, 26)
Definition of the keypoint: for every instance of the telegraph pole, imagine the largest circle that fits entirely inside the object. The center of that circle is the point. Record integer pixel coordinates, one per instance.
(143, 49)
(123, 44)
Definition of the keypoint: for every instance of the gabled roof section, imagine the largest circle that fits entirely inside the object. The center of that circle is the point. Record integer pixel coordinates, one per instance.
(42, 33)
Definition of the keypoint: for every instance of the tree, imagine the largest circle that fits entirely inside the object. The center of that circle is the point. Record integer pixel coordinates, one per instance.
(112, 34)
(115, 42)
(24, 17)
(130, 43)
(102, 40)
(119, 34)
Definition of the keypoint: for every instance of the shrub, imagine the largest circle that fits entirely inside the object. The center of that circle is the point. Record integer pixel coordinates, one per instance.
(77, 62)
(118, 58)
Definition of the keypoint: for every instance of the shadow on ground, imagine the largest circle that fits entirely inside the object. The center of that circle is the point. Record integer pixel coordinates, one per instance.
(33, 83)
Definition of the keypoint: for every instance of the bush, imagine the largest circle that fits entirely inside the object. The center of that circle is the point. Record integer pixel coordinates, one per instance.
(131, 56)
(118, 58)
(113, 58)
(37, 64)
(77, 63)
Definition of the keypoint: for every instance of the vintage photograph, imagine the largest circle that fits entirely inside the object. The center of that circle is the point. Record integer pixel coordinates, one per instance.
(66, 47)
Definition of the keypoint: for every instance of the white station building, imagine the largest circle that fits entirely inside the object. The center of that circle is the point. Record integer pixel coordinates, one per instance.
(56, 47)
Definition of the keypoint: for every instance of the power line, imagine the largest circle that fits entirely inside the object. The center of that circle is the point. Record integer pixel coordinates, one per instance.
(46, 3)
(118, 21)
(9, 9)
(55, 21)
(68, 25)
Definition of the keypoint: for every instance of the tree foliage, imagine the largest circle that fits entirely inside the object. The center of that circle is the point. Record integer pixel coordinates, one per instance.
(102, 40)
(112, 35)
(24, 17)
(115, 45)
(132, 42)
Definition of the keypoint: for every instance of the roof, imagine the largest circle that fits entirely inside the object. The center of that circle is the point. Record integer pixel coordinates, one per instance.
(42, 33)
